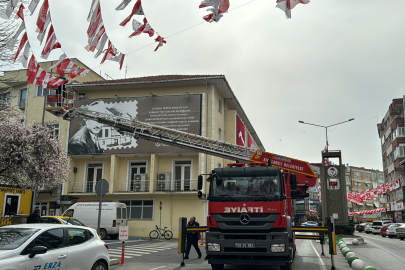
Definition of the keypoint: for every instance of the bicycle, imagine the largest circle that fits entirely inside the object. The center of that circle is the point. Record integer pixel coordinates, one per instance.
(158, 232)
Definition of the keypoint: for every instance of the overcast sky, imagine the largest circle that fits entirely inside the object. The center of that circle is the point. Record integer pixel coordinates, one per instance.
(332, 61)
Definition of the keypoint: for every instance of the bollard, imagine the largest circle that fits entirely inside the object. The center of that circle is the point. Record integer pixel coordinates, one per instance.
(355, 242)
(351, 259)
(122, 255)
(349, 254)
(358, 265)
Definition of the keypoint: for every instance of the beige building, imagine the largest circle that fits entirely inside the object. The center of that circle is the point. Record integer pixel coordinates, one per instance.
(142, 173)
(359, 179)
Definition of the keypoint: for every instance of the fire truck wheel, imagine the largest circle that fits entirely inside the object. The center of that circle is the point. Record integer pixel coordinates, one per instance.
(217, 266)
(287, 266)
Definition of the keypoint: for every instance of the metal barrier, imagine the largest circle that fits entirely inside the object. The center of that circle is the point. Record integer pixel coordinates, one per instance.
(183, 230)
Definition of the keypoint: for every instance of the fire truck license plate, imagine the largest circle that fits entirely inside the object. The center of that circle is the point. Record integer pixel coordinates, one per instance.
(244, 245)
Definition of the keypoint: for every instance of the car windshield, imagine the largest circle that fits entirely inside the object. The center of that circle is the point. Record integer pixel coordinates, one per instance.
(72, 221)
(267, 188)
(12, 238)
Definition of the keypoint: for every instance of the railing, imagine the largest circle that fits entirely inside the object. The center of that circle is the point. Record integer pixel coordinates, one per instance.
(4, 221)
(131, 186)
(82, 187)
(176, 185)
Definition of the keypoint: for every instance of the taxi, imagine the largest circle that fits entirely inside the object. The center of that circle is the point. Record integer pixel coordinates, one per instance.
(61, 220)
(52, 246)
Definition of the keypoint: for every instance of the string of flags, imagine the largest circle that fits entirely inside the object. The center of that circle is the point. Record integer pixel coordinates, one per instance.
(36, 75)
(138, 27)
(97, 36)
(358, 213)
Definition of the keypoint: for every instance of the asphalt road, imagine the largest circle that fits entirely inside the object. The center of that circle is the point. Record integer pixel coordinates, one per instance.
(154, 255)
(380, 252)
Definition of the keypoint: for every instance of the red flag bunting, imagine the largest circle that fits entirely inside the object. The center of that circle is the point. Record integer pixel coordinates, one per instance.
(22, 43)
(137, 9)
(20, 12)
(42, 16)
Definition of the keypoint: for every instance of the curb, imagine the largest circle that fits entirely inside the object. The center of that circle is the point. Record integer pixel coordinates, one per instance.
(114, 262)
(354, 261)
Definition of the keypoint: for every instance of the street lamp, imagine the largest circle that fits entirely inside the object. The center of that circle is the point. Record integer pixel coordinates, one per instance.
(326, 128)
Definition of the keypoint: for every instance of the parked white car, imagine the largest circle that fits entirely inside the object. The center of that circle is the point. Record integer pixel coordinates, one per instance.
(377, 225)
(392, 230)
(368, 228)
(401, 232)
(52, 246)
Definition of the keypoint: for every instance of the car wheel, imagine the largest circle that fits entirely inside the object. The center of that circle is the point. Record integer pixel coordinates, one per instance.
(367, 232)
(99, 266)
(113, 236)
(287, 266)
(103, 234)
(402, 238)
(217, 266)
(383, 235)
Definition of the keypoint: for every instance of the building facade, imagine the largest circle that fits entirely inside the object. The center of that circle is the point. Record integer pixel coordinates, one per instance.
(391, 131)
(143, 174)
(359, 179)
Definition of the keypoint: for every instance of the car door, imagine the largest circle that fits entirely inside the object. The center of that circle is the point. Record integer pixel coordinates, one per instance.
(56, 256)
(81, 249)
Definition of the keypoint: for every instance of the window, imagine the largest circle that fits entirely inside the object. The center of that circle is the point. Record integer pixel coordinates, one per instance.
(54, 129)
(347, 179)
(373, 176)
(220, 105)
(348, 188)
(94, 173)
(366, 185)
(41, 91)
(51, 239)
(23, 96)
(140, 209)
(356, 174)
(380, 177)
(399, 151)
(366, 175)
(219, 134)
(399, 132)
(137, 183)
(182, 175)
(11, 204)
(78, 236)
(5, 98)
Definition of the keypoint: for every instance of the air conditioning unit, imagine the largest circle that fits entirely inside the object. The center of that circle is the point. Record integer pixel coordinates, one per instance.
(139, 182)
(22, 106)
(163, 182)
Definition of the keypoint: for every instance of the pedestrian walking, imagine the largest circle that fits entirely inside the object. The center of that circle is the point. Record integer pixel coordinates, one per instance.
(34, 217)
(192, 238)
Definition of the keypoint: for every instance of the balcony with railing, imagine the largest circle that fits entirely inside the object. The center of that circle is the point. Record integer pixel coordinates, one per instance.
(141, 185)
(175, 185)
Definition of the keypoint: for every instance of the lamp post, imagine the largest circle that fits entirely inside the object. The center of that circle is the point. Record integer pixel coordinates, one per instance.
(326, 128)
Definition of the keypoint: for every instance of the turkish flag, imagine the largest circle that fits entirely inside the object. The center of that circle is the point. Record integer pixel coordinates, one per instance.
(42, 16)
(250, 141)
(137, 9)
(240, 132)
(95, 21)
(32, 66)
(20, 12)
(22, 43)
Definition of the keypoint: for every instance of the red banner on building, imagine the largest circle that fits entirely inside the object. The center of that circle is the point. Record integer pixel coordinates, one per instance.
(240, 132)
(251, 143)
(289, 164)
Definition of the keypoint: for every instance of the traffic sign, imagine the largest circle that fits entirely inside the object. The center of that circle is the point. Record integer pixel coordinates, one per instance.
(101, 187)
(123, 234)
(289, 164)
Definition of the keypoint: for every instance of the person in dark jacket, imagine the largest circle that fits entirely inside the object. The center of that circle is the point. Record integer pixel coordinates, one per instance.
(192, 239)
(34, 217)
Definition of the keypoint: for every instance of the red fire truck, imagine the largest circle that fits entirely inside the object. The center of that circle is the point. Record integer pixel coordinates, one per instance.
(250, 214)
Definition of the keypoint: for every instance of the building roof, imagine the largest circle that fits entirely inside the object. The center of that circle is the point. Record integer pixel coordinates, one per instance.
(157, 78)
(174, 80)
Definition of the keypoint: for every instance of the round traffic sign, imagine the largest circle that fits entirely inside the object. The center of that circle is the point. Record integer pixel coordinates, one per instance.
(101, 187)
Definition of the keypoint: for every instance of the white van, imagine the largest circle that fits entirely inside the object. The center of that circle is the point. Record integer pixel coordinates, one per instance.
(113, 215)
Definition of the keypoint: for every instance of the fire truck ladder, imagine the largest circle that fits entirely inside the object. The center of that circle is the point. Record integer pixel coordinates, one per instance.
(141, 130)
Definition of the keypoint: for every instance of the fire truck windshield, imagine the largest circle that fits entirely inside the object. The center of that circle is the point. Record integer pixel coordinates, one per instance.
(254, 188)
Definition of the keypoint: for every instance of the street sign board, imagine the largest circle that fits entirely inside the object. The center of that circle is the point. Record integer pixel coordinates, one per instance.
(101, 187)
(123, 234)
(289, 164)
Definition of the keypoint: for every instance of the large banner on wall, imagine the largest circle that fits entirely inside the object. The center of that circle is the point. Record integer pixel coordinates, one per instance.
(251, 143)
(240, 132)
(88, 137)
